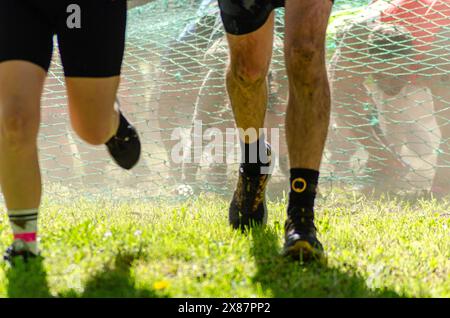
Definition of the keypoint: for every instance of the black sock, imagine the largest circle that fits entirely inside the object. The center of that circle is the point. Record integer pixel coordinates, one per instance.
(303, 188)
(255, 156)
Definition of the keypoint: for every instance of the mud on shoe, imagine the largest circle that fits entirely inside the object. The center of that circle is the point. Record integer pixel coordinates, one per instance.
(301, 242)
(248, 207)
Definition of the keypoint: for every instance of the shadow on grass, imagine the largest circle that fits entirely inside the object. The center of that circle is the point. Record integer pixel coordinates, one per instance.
(113, 281)
(28, 280)
(287, 278)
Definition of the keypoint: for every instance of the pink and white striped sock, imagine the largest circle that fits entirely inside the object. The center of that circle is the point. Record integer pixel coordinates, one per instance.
(24, 227)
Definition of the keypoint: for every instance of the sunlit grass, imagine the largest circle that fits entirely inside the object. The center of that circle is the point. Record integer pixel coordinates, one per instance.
(376, 248)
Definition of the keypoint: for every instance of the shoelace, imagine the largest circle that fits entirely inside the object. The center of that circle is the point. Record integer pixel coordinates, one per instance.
(303, 222)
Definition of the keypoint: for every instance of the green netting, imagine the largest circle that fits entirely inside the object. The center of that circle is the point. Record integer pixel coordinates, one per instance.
(390, 73)
(173, 74)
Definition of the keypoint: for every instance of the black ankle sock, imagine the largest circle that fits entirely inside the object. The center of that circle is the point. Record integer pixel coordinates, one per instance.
(255, 156)
(303, 188)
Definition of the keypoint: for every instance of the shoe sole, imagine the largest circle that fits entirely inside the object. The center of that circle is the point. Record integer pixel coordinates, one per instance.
(247, 222)
(303, 250)
(128, 164)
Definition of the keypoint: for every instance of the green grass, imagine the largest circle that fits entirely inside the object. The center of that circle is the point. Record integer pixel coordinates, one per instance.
(376, 248)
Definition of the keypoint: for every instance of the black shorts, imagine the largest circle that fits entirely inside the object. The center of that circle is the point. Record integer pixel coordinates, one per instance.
(245, 16)
(91, 34)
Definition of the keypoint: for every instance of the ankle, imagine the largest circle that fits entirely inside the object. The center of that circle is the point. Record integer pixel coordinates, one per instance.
(256, 157)
(24, 228)
(303, 189)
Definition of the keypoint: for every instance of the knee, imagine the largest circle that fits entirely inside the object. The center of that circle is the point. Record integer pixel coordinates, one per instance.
(305, 60)
(247, 74)
(19, 123)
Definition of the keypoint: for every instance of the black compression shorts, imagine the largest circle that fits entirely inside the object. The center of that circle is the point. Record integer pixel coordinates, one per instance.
(245, 16)
(91, 34)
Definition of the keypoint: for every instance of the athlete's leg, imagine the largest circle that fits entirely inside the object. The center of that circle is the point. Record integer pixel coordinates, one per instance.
(250, 27)
(25, 55)
(308, 109)
(20, 176)
(92, 58)
(19, 124)
(91, 106)
(250, 56)
(307, 118)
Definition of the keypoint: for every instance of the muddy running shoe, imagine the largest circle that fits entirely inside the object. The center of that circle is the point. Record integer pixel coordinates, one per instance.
(248, 207)
(18, 250)
(125, 146)
(301, 241)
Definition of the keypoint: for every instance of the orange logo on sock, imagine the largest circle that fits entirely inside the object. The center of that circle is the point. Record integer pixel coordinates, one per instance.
(300, 189)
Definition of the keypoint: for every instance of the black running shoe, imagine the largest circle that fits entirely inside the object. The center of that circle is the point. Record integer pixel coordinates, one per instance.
(125, 146)
(248, 207)
(301, 241)
(12, 253)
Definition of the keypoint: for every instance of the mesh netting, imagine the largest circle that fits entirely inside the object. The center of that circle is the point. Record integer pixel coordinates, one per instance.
(391, 104)
(390, 73)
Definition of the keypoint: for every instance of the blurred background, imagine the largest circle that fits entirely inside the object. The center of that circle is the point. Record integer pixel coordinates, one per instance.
(390, 79)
